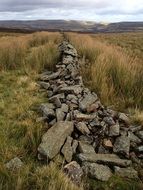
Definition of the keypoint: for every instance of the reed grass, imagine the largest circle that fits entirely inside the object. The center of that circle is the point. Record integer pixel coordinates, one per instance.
(114, 75)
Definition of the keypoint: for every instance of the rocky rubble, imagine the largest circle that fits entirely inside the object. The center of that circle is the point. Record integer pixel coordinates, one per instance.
(82, 130)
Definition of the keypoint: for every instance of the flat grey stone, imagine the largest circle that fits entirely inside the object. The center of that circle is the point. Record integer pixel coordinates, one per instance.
(68, 59)
(124, 118)
(135, 128)
(54, 138)
(110, 159)
(84, 117)
(74, 146)
(45, 77)
(44, 85)
(85, 148)
(60, 115)
(122, 145)
(67, 149)
(76, 89)
(47, 110)
(87, 101)
(133, 138)
(64, 108)
(126, 172)
(56, 101)
(82, 127)
(60, 96)
(97, 171)
(114, 130)
(71, 97)
(86, 139)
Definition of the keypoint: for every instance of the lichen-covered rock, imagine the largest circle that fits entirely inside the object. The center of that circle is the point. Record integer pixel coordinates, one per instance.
(76, 89)
(82, 127)
(54, 138)
(124, 118)
(126, 172)
(114, 130)
(67, 149)
(85, 148)
(56, 101)
(109, 159)
(74, 171)
(122, 145)
(60, 115)
(133, 138)
(46, 77)
(47, 110)
(84, 117)
(74, 145)
(97, 171)
(87, 101)
(14, 164)
(44, 85)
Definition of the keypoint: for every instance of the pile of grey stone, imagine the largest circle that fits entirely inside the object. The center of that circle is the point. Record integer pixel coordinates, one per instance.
(92, 139)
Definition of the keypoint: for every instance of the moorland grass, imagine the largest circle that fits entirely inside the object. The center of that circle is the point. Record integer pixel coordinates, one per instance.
(114, 75)
(22, 57)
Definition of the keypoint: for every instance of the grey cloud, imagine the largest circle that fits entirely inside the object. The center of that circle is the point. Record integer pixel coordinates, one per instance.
(19, 5)
(70, 9)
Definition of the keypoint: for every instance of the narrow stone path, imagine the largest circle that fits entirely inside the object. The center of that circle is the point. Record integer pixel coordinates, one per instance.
(92, 139)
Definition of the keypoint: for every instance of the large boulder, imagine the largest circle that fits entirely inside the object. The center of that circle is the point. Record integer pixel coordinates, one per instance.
(54, 138)
(97, 171)
(109, 159)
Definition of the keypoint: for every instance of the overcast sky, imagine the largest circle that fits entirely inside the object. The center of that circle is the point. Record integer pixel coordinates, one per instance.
(94, 10)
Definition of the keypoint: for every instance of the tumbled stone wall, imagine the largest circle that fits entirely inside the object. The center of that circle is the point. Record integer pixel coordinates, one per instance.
(92, 139)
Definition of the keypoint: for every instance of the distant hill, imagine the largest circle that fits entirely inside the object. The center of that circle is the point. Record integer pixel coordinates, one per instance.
(70, 25)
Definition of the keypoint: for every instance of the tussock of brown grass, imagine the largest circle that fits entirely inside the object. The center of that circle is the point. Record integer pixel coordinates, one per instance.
(114, 75)
(28, 51)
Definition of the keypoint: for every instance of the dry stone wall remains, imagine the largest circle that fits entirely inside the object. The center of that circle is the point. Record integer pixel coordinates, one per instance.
(92, 139)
